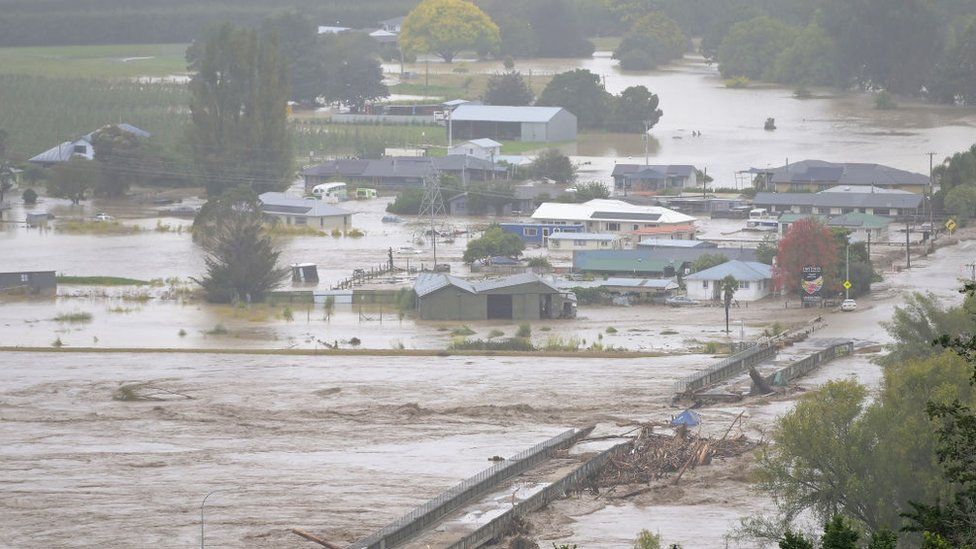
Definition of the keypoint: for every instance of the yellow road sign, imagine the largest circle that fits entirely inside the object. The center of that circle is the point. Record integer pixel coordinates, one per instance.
(847, 284)
(951, 225)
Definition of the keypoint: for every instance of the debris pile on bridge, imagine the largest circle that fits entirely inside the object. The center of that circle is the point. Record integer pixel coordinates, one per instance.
(654, 456)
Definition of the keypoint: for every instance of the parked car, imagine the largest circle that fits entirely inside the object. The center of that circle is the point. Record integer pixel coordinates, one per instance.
(848, 305)
(103, 217)
(680, 301)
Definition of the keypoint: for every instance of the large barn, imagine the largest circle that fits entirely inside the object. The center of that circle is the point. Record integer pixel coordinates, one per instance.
(518, 297)
(540, 124)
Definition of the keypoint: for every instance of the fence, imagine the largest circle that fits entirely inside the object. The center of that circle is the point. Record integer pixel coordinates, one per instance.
(801, 367)
(429, 513)
(727, 368)
(502, 524)
(395, 119)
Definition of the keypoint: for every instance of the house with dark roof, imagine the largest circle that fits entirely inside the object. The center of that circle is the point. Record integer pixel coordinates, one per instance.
(83, 147)
(400, 171)
(518, 297)
(505, 123)
(653, 178)
(755, 281)
(889, 204)
(819, 175)
(862, 226)
(304, 212)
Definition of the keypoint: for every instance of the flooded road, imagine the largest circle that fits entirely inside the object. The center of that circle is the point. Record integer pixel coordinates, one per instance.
(833, 126)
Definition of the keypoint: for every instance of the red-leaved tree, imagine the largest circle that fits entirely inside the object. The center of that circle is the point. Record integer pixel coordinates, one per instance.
(806, 242)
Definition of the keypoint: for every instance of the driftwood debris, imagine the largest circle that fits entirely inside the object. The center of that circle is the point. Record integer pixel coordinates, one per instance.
(314, 538)
(653, 456)
(759, 385)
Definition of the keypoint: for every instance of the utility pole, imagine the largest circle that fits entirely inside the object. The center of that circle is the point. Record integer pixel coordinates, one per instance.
(432, 204)
(908, 247)
(972, 268)
(847, 271)
(704, 181)
(931, 195)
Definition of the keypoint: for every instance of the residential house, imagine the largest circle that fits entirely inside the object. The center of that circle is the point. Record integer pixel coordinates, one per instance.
(400, 172)
(504, 123)
(818, 175)
(615, 216)
(837, 202)
(754, 278)
(82, 147)
(538, 233)
(653, 178)
(304, 212)
(583, 241)
(528, 196)
(650, 262)
(517, 297)
(29, 282)
(643, 288)
(485, 149)
(863, 227)
(393, 24)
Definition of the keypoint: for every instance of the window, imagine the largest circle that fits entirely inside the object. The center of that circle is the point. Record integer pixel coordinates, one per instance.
(531, 232)
(744, 285)
(636, 226)
(705, 284)
(882, 211)
(545, 232)
(613, 226)
(301, 220)
(25, 277)
(81, 149)
(579, 243)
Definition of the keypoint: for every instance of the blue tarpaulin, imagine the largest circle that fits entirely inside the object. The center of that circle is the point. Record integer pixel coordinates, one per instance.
(687, 418)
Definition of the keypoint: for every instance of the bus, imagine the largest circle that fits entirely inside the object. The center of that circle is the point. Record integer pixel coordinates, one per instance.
(333, 192)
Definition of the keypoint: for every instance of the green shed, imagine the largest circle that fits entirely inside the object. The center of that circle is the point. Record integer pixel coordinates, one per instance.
(518, 297)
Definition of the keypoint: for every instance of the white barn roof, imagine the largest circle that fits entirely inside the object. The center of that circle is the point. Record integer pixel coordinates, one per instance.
(496, 113)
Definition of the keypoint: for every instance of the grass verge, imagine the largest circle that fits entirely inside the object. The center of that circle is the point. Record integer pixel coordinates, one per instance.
(101, 281)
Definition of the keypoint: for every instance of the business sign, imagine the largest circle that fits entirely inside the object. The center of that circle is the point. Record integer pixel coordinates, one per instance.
(811, 283)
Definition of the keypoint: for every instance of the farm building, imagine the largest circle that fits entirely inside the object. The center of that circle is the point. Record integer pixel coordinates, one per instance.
(542, 124)
(29, 282)
(755, 281)
(303, 212)
(644, 178)
(80, 148)
(812, 176)
(517, 297)
(583, 241)
(616, 216)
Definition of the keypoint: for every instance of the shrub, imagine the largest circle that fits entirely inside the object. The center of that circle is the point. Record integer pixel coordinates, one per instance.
(287, 314)
(219, 329)
(711, 347)
(524, 330)
(884, 101)
(57, 343)
(737, 82)
(540, 263)
(557, 343)
(181, 333)
(510, 344)
(29, 197)
(495, 333)
(74, 317)
(461, 331)
(611, 330)
(355, 233)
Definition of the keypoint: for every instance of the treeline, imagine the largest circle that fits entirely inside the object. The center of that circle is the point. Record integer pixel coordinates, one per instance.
(75, 22)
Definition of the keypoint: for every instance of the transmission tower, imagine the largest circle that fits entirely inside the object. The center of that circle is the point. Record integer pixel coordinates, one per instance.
(432, 204)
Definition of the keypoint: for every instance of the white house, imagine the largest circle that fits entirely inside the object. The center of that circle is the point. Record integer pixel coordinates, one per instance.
(485, 149)
(304, 212)
(755, 281)
(582, 241)
(618, 217)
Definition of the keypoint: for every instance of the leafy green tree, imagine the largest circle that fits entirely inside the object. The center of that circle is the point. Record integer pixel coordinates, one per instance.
(73, 179)
(794, 540)
(635, 110)
(812, 59)
(490, 197)
(960, 202)
(6, 180)
(590, 190)
(751, 47)
(920, 321)
(119, 155)
(242, 259)
(958, 169)
(296, 36)
(239, 135)
(654, 39)
(29, 197)
(838, 534)
(883, 539)
(507, 89)
(558, 29)
(33, 174)
(445, 27)
(647, 540)
(354, 74)
(580, 92)
(553, 165)
(494, 242)
(766, 250)
(407, 202)
(955, 75)
(630, 11)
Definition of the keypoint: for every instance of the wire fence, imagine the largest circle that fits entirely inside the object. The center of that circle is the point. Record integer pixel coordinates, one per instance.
(726, 368)
(422, 517)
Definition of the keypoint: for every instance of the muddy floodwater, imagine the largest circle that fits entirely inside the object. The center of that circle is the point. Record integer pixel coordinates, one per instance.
(834, 126)
(123, 447)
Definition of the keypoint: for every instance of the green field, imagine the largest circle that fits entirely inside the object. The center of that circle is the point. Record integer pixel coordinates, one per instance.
(121, 61)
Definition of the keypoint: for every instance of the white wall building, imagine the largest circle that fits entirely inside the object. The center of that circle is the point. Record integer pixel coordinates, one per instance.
(755, 281)
(582, 241)
(618, 217)
(485, 149)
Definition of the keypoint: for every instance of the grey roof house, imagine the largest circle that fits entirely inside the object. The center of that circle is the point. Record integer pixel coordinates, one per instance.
(503, 123)
(836, 203)
(650, 178)
(819, 175)
(400, 171)
(754, 278)
(650, 262)
(304, 212)
(517, 297)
